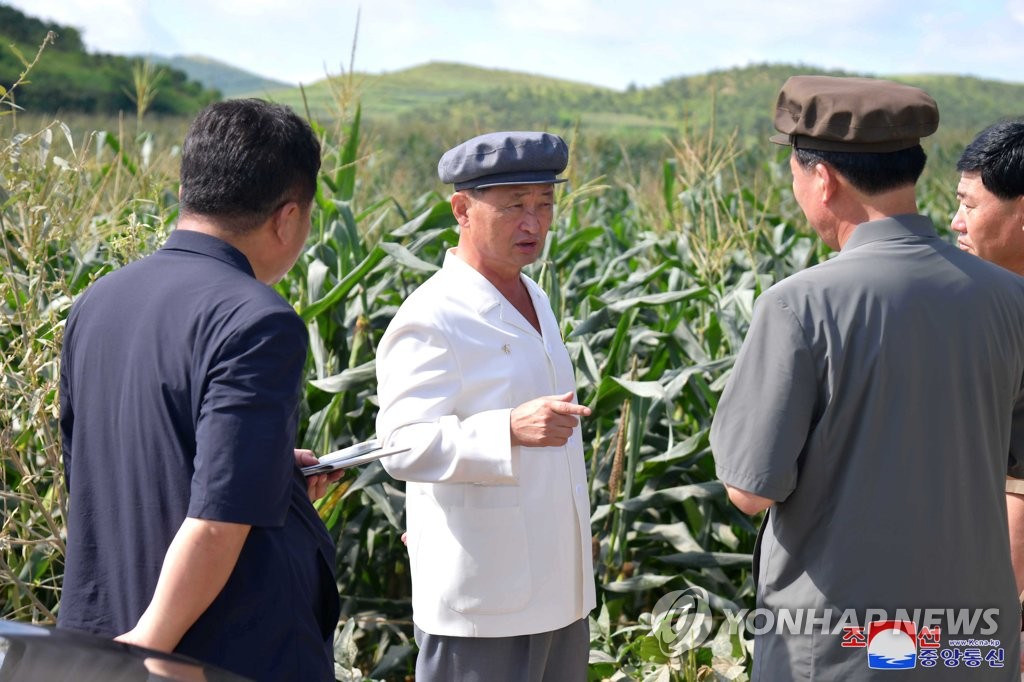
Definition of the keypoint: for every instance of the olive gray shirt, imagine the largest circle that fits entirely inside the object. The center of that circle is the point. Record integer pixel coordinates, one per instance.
(877, 400)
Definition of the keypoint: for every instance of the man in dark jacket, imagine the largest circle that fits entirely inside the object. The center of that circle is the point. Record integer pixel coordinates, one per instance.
(191, 527)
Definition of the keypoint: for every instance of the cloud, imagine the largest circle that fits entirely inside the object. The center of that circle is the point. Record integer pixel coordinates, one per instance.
(584, 18)
(1015, 8)
(105, 25)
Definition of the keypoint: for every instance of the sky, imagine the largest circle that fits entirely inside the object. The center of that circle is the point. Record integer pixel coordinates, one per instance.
(602, 42)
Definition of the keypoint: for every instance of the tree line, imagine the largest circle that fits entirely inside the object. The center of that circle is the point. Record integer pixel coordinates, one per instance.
(68, 78)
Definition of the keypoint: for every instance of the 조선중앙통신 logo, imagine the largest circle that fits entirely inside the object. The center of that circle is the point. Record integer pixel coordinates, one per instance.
(892, 644)
(899, 645)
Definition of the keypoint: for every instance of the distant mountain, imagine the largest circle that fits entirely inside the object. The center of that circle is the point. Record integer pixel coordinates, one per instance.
(229, 80)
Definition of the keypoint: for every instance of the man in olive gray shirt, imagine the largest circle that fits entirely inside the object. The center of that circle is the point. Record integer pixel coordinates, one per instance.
(874, 410)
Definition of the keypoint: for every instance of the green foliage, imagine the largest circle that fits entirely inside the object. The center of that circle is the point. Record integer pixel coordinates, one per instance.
(70, 79)
(145, 78)
(27, 30)
(68, 213)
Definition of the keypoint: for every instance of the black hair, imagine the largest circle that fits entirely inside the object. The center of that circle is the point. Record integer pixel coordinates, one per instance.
(997, 154)
(243, 159)
(870, 172)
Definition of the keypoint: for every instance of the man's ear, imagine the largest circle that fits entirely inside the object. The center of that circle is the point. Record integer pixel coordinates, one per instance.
(826, 182)
(460, 208)
(286, 223)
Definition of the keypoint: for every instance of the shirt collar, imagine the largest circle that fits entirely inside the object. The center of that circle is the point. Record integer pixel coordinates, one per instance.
(208, 245)
(486, 295)
(893, 227)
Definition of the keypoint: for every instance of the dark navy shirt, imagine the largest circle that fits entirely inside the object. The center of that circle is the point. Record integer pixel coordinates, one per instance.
(180, 383)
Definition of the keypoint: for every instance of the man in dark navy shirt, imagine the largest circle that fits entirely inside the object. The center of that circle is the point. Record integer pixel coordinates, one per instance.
(191, 527)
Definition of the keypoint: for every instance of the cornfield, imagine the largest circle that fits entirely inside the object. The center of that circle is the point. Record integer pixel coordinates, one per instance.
(652, 268)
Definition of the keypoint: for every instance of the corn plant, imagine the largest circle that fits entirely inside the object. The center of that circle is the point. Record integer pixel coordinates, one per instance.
(68, 213)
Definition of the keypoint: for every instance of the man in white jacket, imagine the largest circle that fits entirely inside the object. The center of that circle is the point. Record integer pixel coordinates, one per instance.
(473, 377)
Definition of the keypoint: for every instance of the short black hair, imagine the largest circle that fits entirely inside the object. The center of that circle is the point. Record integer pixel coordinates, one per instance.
(997, 154)
(870, 172)
(243, 158)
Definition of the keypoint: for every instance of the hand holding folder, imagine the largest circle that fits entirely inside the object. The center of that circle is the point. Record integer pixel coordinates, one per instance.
(353, 455)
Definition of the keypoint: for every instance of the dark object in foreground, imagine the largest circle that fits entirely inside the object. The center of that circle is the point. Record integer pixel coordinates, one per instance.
(32, 652)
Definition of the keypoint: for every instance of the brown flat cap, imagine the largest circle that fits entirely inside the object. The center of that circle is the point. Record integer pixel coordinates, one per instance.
(827, 113)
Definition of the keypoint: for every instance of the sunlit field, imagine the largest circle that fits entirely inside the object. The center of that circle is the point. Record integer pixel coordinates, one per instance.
(658, 251)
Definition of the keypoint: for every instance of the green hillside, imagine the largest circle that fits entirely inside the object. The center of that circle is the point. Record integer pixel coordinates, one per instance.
(739, 99)
(744, 98)
(230, 81)
(67, 78)
(427, 88)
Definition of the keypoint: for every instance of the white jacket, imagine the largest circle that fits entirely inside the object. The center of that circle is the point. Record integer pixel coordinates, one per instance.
(499, 536)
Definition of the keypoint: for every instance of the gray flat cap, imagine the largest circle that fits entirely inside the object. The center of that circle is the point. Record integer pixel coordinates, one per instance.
(507, 158)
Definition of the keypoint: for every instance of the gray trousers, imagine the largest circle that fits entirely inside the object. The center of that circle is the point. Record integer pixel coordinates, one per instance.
(557, 656)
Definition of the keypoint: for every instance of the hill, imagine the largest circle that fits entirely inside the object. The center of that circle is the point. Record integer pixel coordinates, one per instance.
(67, 78)
(744, 98)
(230, 81)
(431, 87)
(738, 99)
